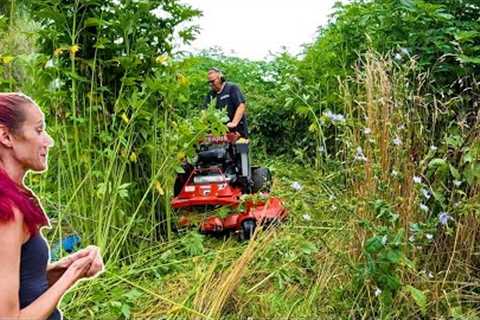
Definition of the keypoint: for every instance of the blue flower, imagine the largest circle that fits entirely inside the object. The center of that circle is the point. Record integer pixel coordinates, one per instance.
(443, 217)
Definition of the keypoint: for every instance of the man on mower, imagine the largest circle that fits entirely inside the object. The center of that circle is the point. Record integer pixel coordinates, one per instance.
(228, 95)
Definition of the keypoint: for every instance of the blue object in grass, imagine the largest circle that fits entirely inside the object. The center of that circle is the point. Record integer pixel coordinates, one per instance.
(69, 244)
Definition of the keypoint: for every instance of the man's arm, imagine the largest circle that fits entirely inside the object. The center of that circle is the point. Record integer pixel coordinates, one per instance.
(238, 115)
(239, 100)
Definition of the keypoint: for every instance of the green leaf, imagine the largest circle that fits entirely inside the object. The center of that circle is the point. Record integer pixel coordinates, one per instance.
(464, 36)
(374, 244)
(455, 172)
(439, 167)
(408, 4)
(309, 247)
(394, 256)
(179, 169)
(125, 311)
(93, 22)
(419, 298)
(466, 59)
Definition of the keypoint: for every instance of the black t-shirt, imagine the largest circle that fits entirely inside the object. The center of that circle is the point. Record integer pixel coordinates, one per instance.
(230, 97)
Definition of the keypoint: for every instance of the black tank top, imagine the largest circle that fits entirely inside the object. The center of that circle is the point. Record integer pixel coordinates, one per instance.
(33, 272)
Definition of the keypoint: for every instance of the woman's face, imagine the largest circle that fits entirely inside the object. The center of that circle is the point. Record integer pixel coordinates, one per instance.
(31, 142)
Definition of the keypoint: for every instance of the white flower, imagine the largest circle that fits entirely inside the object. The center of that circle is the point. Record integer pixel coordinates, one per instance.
(457, 183)
(160, 13)
(118, 41)
(334, 207)
(417, 179)
(307, 217)
(401, 127)
(423, 207)
(334, 117)
(367, 130)
(331, 197)
(394, 173)
(384, 240)
(55, 84)
(429, 236)
(359, 155)
(426, 194)
(397, 141)
(116, 2)
(50, 64)
(296, 186)
(377, 292)
(433, 148)
(397, 57)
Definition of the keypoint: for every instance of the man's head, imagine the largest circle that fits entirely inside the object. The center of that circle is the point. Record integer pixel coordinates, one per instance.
(215, 79)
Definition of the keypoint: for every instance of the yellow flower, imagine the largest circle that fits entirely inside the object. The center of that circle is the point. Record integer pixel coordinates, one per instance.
(182, 80)
(125, 118)
(74, 49)
(158, 187)
(7, 59)
(162, 59)
(181, 156)
(133, 157)
(57, 52)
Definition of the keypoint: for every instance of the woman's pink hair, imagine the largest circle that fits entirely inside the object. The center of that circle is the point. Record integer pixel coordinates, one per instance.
(12, 195)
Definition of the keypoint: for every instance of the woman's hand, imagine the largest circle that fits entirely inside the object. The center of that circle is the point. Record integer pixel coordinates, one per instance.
(57, 269)
(97, 266)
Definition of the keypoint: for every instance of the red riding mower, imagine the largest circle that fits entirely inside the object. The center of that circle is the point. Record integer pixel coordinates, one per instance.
(219, 177)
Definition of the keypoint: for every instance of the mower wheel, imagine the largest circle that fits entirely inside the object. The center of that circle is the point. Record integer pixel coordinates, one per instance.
(262, 180)
(247, 230)
(182, 178)
(179, 182)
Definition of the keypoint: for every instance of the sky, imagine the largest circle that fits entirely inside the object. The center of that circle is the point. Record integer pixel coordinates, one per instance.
(253, 29)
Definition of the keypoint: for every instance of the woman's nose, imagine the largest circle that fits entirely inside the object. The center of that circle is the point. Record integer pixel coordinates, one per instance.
(49, 140)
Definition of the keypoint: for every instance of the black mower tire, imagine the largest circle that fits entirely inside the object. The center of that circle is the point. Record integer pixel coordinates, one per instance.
(180, 180)
(262, 180)
(247, 229)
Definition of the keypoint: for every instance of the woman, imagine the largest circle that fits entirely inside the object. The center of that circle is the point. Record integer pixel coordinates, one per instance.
(30, 287)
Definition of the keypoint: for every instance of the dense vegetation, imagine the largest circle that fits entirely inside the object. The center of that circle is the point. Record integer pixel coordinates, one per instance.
(377, 123)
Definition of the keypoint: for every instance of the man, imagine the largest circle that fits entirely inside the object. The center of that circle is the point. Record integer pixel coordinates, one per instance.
(228, 95)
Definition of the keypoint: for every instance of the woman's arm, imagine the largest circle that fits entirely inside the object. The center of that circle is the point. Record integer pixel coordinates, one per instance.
(11, 239)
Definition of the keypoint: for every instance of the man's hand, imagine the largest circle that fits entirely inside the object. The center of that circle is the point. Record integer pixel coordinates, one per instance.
(231, 125)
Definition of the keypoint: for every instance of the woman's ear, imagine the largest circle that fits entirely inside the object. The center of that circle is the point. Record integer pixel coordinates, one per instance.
(5, 137)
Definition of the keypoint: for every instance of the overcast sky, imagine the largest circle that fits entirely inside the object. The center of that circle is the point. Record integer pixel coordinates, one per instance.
(253, 28)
